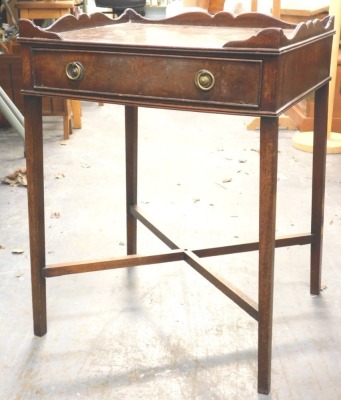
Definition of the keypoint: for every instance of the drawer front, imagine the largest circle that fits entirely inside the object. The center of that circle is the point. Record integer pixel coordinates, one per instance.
(146, 77)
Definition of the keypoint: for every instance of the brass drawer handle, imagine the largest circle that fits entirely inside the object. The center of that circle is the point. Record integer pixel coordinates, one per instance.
(74, 71)
(204, 80)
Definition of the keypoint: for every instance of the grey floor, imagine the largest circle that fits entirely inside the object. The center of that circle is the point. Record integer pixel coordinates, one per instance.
(162, 331)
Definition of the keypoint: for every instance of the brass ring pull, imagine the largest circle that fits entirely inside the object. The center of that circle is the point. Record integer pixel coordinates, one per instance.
(74, 71)
(204, 80)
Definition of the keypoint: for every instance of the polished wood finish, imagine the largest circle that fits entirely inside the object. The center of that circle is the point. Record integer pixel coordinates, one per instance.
(319, 173)
(131, 114)
(259, 68)
(267, 225)
(35, 193)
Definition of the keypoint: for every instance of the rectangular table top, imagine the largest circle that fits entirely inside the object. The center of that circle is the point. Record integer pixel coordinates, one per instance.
(248, 64)
(188, 31)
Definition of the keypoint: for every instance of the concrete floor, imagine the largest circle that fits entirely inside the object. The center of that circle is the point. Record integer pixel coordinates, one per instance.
(162, 331)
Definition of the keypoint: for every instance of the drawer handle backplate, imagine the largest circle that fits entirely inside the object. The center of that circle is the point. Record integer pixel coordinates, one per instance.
(74, 71)
(204, 80)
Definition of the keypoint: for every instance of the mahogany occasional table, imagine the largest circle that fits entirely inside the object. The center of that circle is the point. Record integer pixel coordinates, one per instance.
(251, 65)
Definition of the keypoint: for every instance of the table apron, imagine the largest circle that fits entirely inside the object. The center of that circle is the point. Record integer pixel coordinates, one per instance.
(159, 78)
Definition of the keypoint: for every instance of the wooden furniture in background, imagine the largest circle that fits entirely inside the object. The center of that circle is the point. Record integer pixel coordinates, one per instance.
(40, 10)
(276, 5)
(215, 6)
(296, 11)
(43, 9)
(11, 81)
(204, 75)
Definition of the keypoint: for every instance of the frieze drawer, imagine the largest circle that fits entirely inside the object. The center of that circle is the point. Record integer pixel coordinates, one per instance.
(188, 79)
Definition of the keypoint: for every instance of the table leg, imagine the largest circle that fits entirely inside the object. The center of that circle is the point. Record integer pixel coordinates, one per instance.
(35, 191)
(267, 223)
(318, 185)
(131, 119)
